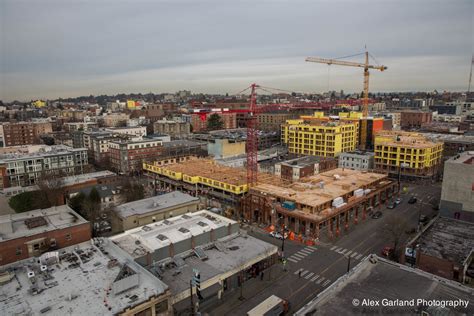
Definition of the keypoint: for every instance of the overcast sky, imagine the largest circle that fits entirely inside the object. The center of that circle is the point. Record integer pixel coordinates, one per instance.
(51, 49)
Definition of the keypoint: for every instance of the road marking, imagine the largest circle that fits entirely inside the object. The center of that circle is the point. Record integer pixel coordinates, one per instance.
(309, 275)
(301, 252)
(343, 251)
(354, 254)
(297, 255)
(338, 249)
(320, 280)
(326, 283)
(304, 272)
(314, 278)
(349, 252)
(293, 260)
(308, 251)
(358, 256)
(297, 271)
(311, 247)
(333, 247)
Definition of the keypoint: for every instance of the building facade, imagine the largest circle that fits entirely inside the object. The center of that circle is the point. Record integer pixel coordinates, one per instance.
(457, 195)
(175, 129)
(411, 154)
(326, 139)
(24, 133)
(357, 160)
(414, 119)
(127, 156)
(26, 169)
(30, 234)
(199, 121)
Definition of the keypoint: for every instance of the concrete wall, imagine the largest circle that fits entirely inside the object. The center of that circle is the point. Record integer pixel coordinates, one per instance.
(457, 193)
(222, 148)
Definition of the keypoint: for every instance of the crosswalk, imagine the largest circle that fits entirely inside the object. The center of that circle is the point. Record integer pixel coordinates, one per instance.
(313, 277)
(303, 253)
(347, 252)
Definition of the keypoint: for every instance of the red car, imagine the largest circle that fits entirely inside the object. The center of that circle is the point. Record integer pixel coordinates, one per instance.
(387, 251)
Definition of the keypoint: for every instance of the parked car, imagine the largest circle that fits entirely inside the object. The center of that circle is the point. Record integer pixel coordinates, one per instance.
(412, 200)
(398, 201)
(276, 235)
(391, 205)
(377, 215)
(387, 251)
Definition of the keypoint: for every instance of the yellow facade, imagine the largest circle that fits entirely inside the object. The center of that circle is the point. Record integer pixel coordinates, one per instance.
(131, 104)
(162, 170)
(39, 104)
(326, 139)
(410, 151)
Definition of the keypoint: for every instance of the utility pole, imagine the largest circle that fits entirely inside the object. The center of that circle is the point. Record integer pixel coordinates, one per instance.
(348, 263)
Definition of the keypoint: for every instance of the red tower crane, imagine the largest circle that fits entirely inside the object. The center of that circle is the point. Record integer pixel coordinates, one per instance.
(252, 138)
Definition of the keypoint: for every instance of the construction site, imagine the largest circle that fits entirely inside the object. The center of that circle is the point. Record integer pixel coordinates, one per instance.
(330, 201)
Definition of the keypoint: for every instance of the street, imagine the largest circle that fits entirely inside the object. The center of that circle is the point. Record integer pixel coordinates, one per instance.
(311, 269)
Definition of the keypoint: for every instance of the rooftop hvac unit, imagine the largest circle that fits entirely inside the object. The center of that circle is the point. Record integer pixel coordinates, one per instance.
(44, 268)
(337, 201)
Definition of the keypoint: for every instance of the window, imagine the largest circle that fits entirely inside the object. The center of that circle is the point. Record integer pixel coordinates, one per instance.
(18, 251)
(161, 307)
(68, 237)
(52, 242)
(36, 247)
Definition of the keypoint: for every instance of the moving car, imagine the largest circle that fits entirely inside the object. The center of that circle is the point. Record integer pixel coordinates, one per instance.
(412, 200)
(398, 201)
(272, 306)
(377, 215)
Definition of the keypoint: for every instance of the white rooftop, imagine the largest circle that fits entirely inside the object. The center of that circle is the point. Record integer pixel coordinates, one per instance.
(151, 237)
(86, 281)
(15, 225)
(41, 152)
(80, 178)
(153, 204)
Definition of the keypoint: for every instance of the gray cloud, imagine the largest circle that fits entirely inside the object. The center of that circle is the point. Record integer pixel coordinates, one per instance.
(69, 48)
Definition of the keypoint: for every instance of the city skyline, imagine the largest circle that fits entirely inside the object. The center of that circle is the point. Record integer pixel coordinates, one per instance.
(52, 49)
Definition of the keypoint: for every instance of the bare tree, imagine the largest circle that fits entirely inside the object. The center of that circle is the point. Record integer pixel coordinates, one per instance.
(52, 187)
(395, 229)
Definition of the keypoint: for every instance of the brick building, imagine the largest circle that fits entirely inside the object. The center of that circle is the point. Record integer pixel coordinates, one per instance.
(414, 119)
(199, 122)
(24, 133)
(30, 234)
(127, 156)
(298, 168)
(176, 129)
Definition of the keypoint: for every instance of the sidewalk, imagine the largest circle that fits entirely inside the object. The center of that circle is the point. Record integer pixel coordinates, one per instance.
(230, 302)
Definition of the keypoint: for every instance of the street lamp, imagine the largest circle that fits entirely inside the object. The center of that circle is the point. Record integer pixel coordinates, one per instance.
(283, 228)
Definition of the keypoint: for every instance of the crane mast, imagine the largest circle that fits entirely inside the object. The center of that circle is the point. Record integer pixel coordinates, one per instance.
(252, 139)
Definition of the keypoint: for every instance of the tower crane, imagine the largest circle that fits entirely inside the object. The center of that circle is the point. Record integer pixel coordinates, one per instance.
(366, 67)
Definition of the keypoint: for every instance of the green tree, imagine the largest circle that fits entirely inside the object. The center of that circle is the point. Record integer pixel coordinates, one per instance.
(214, 122)
(28, 201)
(94, 196)
(132, 192)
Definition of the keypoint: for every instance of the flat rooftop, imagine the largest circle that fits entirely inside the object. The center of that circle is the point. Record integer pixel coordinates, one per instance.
(183, 143)
(466, 158)
(138, 241)
(81, 178)
(210, 169)
(153, 204)
(229, 254)
(310, 192)
(387, 280)
(405, 139)
(43, 151)
(447, 239)
(301, 161)
(78, 284)
(38, 221)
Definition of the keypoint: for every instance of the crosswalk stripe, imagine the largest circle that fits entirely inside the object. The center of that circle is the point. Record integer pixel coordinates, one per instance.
(320, 280)
(293, 260)
(297, 271)
(358, 256)
(349, 252)
(326, 283)
(301, 252)
(314, 278)
(343, 251)
(309, 275)
(306, 251)
(333, 247)
(311, 247)
(354, 254)
(338, 249)
(297, 255)
(304, 272)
